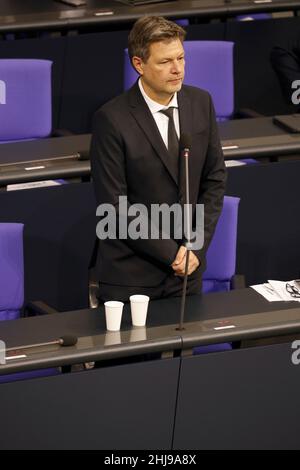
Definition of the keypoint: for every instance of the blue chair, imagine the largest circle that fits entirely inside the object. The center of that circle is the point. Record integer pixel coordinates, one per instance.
(25, 99)
(12, 287)
(209, 65)
(11, 271)
(221, 260)
(221, 254)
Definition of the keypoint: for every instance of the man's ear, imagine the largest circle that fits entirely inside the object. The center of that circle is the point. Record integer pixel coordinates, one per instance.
(138, 64)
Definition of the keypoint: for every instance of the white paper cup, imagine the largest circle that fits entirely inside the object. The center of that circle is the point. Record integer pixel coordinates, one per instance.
(139, 308)
(113, 315)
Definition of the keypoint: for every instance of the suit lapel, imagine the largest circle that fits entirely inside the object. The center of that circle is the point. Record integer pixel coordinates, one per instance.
(145, 120)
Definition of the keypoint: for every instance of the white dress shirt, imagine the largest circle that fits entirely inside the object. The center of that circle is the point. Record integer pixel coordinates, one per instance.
(161, 119)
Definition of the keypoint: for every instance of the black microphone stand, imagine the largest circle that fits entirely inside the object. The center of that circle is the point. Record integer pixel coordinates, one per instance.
(188, 242)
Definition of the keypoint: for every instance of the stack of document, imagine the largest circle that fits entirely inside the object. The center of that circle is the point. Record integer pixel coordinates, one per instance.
(279, 290)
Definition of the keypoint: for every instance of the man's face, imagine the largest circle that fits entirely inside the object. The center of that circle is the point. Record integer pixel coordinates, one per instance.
(163, 73)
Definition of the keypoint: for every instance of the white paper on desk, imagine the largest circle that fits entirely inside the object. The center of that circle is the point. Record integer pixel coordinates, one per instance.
(229, 163)
(34, 184)
(267, 292)
(280, 288)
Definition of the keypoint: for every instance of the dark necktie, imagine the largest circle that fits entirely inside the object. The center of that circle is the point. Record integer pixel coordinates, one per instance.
(173, 142)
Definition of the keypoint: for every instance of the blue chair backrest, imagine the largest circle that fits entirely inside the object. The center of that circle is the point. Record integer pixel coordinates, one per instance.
(11, 270)
(12, 288)
(221, 254)
(25, 99)
(209, 65)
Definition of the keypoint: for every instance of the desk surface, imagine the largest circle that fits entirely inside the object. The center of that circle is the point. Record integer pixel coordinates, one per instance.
(46, 14)
(57, 157)
(257, 137)
(251, 315)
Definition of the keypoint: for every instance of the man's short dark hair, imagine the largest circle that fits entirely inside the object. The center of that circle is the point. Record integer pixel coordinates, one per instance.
(150, 29)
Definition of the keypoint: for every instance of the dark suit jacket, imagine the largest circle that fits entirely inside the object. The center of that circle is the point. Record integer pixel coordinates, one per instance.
(129, 157)
(285, 60)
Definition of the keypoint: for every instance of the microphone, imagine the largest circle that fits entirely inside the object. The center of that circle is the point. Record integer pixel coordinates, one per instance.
(83, 155)
(185, 141)
(64, 341)
(185, 145)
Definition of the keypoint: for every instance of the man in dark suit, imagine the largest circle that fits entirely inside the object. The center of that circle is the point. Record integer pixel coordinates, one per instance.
(135, 153)
(285, 59)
